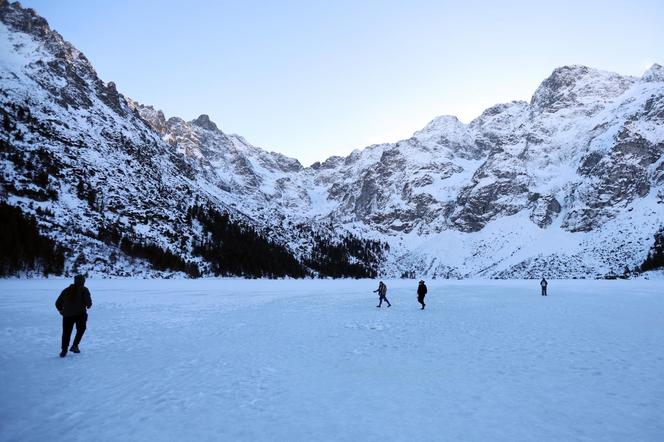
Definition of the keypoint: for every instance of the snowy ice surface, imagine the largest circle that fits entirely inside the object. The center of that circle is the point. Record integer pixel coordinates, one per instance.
(305, 360)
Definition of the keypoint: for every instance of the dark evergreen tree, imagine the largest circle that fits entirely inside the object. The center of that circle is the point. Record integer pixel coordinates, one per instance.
(23, 247)
(655, 259)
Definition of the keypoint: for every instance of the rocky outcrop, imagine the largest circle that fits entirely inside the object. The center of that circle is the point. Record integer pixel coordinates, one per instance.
(204, 122)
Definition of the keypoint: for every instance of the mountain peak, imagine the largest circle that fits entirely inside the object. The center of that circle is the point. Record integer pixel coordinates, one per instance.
(22, 19)
(654, 74)
(443, 120)
(574, 85)
(204, 122)
(440, 124)
(561, 80)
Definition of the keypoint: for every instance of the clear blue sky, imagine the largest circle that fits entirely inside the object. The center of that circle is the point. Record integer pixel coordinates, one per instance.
(312, 79)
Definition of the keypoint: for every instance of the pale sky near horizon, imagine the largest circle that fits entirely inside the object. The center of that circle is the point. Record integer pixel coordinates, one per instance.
(312, 80)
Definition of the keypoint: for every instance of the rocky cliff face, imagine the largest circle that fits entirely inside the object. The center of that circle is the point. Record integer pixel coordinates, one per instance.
(585, 143)
(568, 184)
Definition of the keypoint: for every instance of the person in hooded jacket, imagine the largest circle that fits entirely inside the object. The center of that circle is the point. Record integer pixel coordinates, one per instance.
(382, 294)
(543, 284)
(421, 293)
(73, 303)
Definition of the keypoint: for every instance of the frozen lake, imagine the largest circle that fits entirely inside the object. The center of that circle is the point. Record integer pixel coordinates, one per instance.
(316, 360)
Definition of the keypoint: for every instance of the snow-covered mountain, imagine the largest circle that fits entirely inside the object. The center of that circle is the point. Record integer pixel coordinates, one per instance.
(570, 184)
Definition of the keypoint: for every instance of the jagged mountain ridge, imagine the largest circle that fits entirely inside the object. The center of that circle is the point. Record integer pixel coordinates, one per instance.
(569, 183)
(78, 155)
(579, 158)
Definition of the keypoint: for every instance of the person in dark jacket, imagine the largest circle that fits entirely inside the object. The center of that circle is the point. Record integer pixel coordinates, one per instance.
(543, 283)
(421, 293)
(73, 303)
(382, 294)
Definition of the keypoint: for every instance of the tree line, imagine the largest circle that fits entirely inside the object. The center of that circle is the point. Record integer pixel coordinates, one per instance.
(232, 249)
(159, 258)
(23, 248)
(227, 248)
(349, 257)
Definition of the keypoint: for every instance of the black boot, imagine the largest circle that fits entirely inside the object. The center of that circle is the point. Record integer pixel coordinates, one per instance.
(63, 353)
(74, 349)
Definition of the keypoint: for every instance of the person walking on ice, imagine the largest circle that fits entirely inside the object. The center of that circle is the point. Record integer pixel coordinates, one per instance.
(543, 283)
(421, 292)
(73, 303)
(382, 294)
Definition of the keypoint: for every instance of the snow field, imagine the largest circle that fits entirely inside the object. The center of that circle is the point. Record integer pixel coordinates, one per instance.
(219, 359)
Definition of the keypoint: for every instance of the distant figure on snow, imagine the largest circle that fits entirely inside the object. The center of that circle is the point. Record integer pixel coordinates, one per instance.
(72, 304)
(421, 292)
(543, 283)
(382, 294)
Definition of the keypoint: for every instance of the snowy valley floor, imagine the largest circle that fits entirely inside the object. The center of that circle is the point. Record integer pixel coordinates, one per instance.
(316, 360)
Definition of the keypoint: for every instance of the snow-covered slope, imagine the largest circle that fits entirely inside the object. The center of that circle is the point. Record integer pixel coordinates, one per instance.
(306, 360)
(570, 184)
